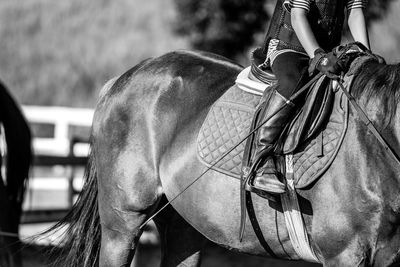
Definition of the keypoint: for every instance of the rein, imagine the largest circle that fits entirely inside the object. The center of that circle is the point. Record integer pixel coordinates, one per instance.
(9, 234)
(363, 116)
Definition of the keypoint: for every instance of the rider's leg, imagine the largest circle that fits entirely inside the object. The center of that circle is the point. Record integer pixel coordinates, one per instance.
(289, 69)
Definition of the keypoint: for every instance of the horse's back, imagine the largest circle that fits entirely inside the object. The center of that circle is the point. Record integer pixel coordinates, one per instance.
(161, 93)
(201, 68)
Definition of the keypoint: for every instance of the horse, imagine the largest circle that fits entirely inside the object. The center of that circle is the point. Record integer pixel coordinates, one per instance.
(143, 153)
(16, 158)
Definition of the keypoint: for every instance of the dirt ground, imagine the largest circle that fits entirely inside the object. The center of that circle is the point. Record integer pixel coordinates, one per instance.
(149, 256)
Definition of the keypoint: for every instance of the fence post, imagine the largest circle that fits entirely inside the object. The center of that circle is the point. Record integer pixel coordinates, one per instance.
(71, 170)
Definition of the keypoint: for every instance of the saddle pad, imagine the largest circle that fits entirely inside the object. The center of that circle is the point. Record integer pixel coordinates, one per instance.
(228, 123)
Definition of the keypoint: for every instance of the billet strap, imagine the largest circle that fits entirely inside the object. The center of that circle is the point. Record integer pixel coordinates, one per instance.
(368, 123)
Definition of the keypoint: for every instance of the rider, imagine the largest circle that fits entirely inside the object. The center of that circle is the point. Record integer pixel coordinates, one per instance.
(301, 34)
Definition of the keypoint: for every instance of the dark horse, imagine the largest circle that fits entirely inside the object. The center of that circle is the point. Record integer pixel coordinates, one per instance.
(144, 152)
(12, 187)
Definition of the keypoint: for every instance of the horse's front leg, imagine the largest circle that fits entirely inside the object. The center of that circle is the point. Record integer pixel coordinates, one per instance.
(181, 244)
(339, 244)
(347, 258)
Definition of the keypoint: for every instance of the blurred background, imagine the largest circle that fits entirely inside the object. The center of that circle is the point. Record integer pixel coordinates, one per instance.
(61, 53)
(56, 55)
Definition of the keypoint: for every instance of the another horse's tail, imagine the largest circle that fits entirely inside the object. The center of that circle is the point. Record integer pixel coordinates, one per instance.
(19, 152)
(81, 239)
(17, 161)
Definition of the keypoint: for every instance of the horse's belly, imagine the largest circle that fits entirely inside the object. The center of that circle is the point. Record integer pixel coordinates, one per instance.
(212, 206)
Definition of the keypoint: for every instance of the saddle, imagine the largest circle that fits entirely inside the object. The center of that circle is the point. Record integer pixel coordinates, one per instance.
(312, 136)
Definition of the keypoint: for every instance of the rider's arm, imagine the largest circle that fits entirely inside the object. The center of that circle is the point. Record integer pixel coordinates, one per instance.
(303, 30)
(357, 26)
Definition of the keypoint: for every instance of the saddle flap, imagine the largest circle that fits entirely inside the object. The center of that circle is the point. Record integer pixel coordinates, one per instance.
(314, 114)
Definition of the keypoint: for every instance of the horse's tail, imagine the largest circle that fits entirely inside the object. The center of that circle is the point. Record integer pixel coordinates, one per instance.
(18, 150)
(81, 239)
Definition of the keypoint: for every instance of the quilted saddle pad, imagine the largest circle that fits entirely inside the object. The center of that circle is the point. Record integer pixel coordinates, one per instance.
(228, 123)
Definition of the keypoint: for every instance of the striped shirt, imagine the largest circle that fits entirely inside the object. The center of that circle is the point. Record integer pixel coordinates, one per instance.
(273, 52)
(305, 4)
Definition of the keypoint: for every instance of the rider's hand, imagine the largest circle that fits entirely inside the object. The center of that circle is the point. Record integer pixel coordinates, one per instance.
(327, 63)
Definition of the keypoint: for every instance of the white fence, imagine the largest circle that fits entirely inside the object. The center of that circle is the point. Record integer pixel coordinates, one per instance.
(61, 119)
(58, 162)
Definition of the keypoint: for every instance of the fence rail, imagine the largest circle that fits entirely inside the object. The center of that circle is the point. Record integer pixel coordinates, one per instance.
(42, 160)
(57, 146)
(60, 121)
(71, 161)
(43, 216)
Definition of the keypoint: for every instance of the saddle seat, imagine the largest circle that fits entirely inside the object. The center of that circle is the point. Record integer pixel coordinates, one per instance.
(313, 136)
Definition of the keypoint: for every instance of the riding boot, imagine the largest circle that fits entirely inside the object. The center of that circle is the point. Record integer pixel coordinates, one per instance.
(265, 179)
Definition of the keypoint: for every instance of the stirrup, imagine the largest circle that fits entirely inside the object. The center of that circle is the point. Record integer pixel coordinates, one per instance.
(251, 188)
(250, 175)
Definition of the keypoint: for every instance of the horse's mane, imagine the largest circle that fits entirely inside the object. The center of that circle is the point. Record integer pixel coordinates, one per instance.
(379, 81)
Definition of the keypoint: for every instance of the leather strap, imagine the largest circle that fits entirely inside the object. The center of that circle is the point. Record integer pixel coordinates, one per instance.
(256, 226)
(320, 144)
(246, 173)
